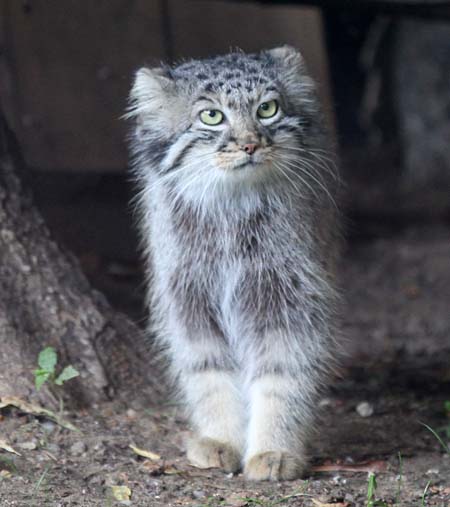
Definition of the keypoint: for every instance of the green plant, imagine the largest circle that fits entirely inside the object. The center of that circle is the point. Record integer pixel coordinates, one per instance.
(40, 480)
(400, 479)
(424, 494)
(371, 490)
(438, 437)
(47, 372)
(447, 411)
(47, 361)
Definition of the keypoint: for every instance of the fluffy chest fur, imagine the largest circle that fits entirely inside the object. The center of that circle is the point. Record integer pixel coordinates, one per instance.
(246, 270)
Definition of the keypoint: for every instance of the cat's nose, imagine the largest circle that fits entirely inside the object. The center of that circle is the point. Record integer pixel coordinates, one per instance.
(250, 148)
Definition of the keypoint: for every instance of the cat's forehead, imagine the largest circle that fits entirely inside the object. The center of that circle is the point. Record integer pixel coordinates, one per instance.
(227, 73)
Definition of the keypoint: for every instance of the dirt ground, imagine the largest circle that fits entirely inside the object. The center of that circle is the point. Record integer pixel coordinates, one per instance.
(396, 284)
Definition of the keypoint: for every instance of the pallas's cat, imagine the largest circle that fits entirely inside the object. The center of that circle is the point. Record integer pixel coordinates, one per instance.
(239, 226)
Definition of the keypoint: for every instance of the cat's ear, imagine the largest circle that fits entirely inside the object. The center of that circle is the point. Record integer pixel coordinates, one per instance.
(151, 91)
(289, 57)
(293, 73)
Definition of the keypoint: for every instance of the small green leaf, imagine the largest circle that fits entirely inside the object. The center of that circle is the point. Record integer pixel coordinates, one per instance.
(40, 377)
(40, 371)
(47, 359)
(68, 373)
(371, 488)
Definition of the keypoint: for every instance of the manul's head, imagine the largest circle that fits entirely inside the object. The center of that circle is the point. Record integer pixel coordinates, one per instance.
(220, 123)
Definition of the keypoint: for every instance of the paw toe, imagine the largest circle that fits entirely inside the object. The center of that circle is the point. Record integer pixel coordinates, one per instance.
(273, 466)
(209, 453)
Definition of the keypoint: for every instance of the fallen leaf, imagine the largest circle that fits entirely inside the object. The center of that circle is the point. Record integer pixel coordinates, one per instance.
(153, 468)
(121, 493)
(7, 447)
(32, 408)
(161, 468)
(50, 455)
(368, 466)
(5, 474)
(145, 454)
(171, 470)
(318, 503)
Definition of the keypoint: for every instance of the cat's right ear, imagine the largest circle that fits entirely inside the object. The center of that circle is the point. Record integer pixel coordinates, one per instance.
(151, 95)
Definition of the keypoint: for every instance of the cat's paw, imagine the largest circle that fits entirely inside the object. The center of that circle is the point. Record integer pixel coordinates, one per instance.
(209, 453)
(273, 466)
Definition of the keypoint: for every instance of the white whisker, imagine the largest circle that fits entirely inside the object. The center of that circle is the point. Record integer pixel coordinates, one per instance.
(325, 162)
(283, 167)
(317, 180)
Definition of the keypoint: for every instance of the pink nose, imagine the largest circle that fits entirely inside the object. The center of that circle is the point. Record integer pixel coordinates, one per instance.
(250, 148)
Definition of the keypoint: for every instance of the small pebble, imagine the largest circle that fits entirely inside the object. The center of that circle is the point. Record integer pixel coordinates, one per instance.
(77, 448)
(28, 446)
(131, 414)
(364, 409)
(48, 426)
(198, 494)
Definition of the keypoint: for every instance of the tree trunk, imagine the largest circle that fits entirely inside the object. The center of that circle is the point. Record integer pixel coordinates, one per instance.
(46, 300)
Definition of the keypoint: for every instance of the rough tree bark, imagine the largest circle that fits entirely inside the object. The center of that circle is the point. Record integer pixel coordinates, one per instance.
(46, 300)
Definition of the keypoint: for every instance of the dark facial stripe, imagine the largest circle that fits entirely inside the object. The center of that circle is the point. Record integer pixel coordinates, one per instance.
(207, 134)
(153, 152)
(202, 97)
(286, 128)
(182, 155)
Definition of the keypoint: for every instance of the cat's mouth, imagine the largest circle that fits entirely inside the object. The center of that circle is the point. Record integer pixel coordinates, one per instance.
(245, 163)
(248, 162)
(242, 162)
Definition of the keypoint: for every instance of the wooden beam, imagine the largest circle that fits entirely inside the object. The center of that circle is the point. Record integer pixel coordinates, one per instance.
(423, 8)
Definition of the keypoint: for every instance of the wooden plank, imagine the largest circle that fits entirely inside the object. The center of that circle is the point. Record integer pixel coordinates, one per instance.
(68, 65)
(72, 66)
(424, 8)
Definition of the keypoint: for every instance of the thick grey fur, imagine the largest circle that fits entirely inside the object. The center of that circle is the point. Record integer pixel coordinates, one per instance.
(241, 252)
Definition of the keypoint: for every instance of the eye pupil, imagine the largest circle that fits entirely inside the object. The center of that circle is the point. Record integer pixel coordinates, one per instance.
(267, 109)
(211, 116)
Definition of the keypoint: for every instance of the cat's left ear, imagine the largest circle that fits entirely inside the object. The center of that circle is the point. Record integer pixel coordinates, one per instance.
(293, 73)
(289, 57)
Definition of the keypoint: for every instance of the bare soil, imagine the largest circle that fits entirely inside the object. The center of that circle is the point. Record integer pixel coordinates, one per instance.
(397, 319)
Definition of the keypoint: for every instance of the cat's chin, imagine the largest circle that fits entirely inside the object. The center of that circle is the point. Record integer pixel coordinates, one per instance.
(249, 172)
(248, 164)
(246, 169)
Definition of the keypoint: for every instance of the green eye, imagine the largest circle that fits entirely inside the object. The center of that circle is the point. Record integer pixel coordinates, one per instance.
(267, 109)
(211, 116)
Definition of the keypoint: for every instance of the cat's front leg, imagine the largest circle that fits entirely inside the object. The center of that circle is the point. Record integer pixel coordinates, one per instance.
(282, 388)
(276, 438)
(211, 393)
(217, 416)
